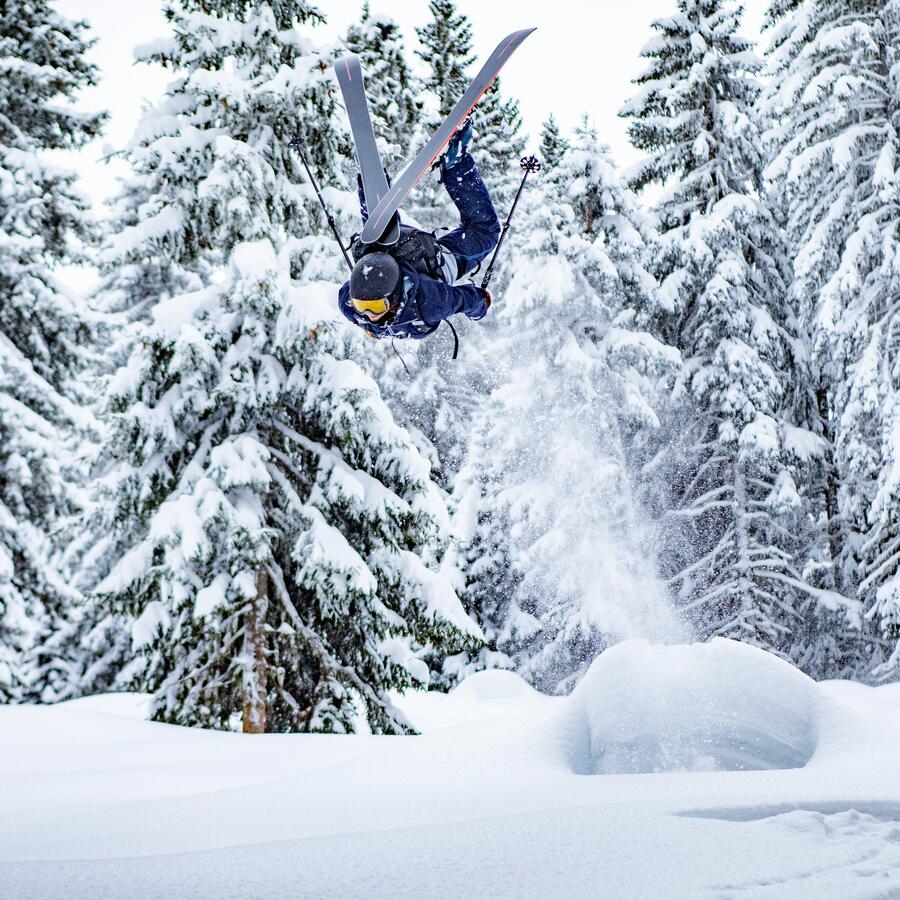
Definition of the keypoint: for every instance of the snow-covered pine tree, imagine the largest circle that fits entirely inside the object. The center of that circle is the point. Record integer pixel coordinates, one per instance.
(499, 144)
(278, 522)
(447, 52)
(556, 555)
(392, 88)
(834, 109)
(735, 518)
(828, 648)
(553, 144)
(91, 650)
(43, 223)
(792, 27)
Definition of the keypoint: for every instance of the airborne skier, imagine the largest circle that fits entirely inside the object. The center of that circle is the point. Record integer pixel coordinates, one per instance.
(404, 281)
(409, 291)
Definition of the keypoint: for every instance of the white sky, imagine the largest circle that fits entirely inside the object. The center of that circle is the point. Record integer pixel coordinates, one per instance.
(581, 59)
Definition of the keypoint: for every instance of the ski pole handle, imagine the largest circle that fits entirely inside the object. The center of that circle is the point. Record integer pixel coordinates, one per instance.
(529, 164)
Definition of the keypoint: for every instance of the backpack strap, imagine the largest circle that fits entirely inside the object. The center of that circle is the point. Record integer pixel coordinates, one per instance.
(455, 339)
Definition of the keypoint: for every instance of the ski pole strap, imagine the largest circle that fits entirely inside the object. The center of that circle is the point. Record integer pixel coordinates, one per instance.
(296, 143)
(402, 360)
(455, 339)
(529, 164)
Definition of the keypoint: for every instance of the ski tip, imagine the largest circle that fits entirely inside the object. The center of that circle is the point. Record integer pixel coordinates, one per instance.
(342, 65)
(511, 42)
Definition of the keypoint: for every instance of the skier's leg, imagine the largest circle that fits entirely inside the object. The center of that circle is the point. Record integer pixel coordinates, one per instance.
(479, 228)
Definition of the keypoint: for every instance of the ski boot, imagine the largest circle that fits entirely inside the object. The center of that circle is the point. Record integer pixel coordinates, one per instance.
(457, 145)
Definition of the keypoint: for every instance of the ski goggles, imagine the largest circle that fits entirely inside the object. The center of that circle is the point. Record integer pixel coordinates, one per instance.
(377, 307)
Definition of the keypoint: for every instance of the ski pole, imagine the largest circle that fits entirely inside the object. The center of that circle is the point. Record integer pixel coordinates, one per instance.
(529, 164)
(296, 143)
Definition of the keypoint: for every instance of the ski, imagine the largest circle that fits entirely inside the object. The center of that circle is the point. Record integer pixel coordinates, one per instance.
(381, 217)
(375, 186)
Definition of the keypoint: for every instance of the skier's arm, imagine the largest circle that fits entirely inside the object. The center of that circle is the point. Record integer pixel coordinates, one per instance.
(439, 301)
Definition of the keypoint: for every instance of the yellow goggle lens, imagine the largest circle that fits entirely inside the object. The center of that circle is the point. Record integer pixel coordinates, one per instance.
(373, 306)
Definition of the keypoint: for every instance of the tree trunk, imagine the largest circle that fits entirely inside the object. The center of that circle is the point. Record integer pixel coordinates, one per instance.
(830, 491)
(742, 540)
(255, 675)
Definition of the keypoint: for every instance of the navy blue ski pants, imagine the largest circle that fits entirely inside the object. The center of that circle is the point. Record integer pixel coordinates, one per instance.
(479, 228)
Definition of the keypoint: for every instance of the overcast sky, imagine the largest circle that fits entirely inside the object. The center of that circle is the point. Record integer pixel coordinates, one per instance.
(581, 59)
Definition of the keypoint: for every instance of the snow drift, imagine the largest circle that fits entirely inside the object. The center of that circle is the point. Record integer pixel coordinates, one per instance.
(721, 706)
(507, 793)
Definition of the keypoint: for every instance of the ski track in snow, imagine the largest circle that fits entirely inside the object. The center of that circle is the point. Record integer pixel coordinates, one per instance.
(488, 802)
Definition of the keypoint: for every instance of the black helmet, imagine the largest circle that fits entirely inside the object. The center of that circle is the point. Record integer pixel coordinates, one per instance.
(375, 276)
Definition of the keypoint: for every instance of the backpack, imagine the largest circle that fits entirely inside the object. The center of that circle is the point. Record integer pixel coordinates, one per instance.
(418, 249)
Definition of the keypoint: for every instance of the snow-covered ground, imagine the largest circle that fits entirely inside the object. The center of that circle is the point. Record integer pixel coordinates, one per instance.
(688, 771)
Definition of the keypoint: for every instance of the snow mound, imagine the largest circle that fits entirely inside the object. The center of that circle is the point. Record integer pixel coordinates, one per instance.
(128, 705)
(721, 706)
(494, 684)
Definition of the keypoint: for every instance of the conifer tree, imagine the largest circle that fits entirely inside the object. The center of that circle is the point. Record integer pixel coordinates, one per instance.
(90, 651)
(834, 109)
(553, 144)
(499, 144)
(735, 515)
(447, 52)
(556, 555)
(277, 522)
(43, 222)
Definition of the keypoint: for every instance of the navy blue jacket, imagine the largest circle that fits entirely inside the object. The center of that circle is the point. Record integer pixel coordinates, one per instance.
(426, 303)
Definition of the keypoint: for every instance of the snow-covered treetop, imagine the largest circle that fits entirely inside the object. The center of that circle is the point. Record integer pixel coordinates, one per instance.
(246, 78)
(608, 216)
(42, 63)
(220, 27)
(447, 50)
(553, 144)
(43, 217)
(692, 103)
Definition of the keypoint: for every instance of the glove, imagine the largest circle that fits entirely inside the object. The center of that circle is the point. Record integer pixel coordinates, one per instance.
(357, 248)
(488, 297)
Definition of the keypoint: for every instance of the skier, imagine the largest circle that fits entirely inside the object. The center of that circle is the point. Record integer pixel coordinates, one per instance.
(407, 291)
